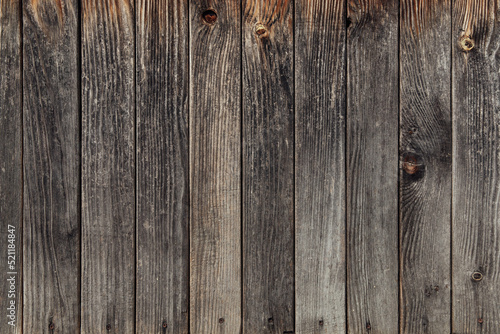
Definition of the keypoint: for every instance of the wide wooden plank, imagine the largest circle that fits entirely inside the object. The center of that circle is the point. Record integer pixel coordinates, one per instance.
(215, 155)
(320, 33)
(425, 158)
(51, 230)
(108, 167)
(268, 168)
(10, 167)
(162, 166)
(372, 166)
(476, 166)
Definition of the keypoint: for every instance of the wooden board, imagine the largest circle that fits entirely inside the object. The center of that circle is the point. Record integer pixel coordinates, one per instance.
(11, 185)
(320, 100)
(425, 160)
(162, 167)
(108, 167)
(51, 159)
(372, 166)
(268, 168)
(215, 163)
(476, 166)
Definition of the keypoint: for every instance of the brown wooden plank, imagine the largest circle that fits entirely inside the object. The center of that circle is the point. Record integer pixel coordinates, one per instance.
(476, 166)
(162, 167)
(11, 185)
(108, 171)
(320, 32)
(425, 158)
(268, 172)
(372, 171)
(215, 155)
(51, 231)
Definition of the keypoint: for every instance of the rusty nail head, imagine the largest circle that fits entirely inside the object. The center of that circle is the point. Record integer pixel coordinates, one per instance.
(221, 320)
(209, 16)
(480, 320)
(477, 276)
(164, 324)
(466, 43)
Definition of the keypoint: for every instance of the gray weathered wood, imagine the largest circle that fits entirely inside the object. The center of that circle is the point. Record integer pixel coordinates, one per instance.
(108, 172)
(320, 32)
(215, 155)
(425, 160)
(51, 229)
(372, 171)
(268, 173)
(10, 166)
(476, 166)
(162, 167)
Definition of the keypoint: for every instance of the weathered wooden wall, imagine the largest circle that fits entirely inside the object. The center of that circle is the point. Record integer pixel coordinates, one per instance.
(250, 166)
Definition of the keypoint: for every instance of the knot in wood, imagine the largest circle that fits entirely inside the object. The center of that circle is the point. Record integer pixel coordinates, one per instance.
(410, 165)
(477, 276)
(466, 43)
(209, 16)
(261, 30)
(221, 320)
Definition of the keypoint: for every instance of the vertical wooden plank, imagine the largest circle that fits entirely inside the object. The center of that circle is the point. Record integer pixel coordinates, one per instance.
(320, 33)
(162, 166)
(215, 156)
(476, 166)
(268, 168)
(108, 172)
(11, 185)
(51, 230)
(425, 158)
(372, 171)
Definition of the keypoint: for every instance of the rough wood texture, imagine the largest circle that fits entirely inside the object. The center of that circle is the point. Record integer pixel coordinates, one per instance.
(372, 171)
(476, 166)
(268, 169)
(108, 172)
(162, 167)
(215, 163)
(425, 160)
(51, 167)
(10, 164)
(320, 166)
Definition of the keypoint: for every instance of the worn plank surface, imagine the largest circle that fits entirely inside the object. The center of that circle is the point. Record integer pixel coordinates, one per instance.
(320, 38)
(108, 167)
(11, 186)
(215, 156)
(51, 159)
(476, 166)
(425, 158)
(372, 166)
(162, 167)
(268, 169)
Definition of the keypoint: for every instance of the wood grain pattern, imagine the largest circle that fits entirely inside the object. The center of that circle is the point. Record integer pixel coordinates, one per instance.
(162, 167)
(425, 176)
(268, 169)
(51, 230)
(108, 167)
(372, 167)
(11, 186)
(215, 163)
(320, 32)
(476, 176)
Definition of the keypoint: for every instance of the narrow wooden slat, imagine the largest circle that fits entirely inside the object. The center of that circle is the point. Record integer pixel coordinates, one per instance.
(162, 167)
(51, 230)
(476, 166)
(108, 172)
(320, 166)
(215, 155)
(10, 167)
(268, 173)
(425, 158)
(372, 171)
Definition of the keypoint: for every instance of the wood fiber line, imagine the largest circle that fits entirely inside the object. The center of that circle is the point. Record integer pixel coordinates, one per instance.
(215, 166)
(162, 167)
(11, 184)
(320, 166)
(418, 15)
(425, 176)
(476, 166)
(51, 230)
(108, 167)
